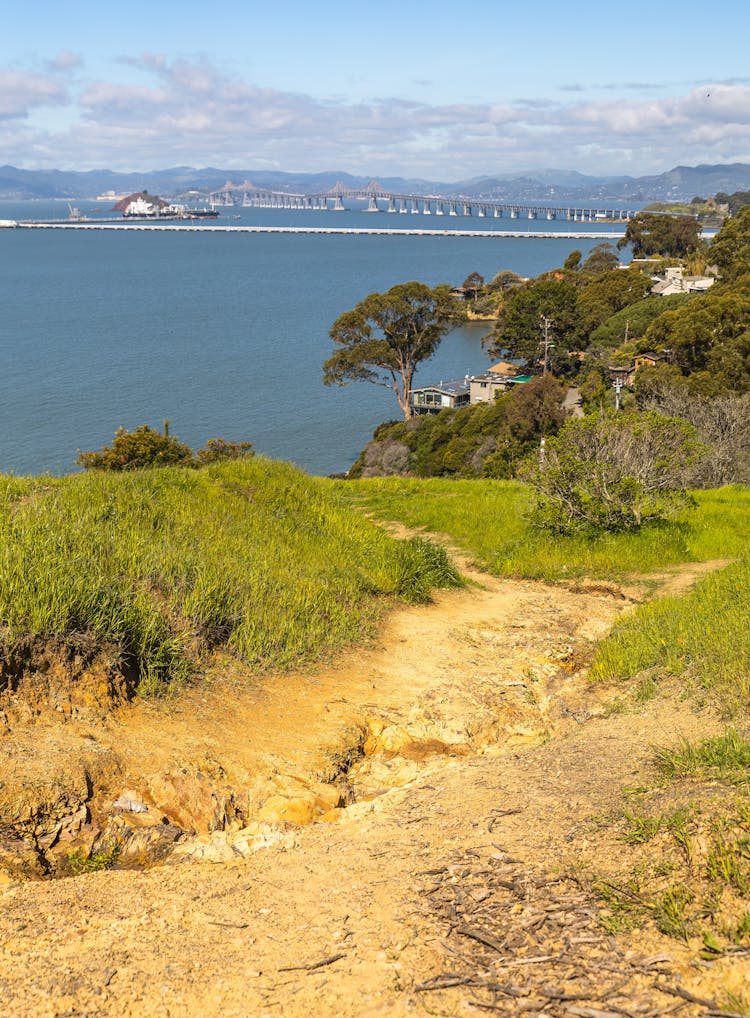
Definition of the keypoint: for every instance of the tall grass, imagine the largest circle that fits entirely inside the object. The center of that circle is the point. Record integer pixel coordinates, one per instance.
(705, 634)
(252, 555)
(488, 519)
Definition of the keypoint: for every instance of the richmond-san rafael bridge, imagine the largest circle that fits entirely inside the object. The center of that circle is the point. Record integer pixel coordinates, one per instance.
(380, 200)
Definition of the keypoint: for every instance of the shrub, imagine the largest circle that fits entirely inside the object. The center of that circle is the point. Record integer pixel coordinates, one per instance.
(613, 472)
(145, 447)
(218, 449)
(131, 450)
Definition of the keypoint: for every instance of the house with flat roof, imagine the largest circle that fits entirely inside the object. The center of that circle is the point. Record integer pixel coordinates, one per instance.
(431, 399)
(471, 389)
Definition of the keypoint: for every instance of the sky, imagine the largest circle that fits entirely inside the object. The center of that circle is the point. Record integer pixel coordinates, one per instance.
(439, 91)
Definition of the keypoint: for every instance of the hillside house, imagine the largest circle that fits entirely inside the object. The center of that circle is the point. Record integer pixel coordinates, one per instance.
(469, 390)
(674, 281)
(624, 374)
(431, 399)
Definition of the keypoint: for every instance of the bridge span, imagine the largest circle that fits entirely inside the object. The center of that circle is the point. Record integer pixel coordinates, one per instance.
(380, 200)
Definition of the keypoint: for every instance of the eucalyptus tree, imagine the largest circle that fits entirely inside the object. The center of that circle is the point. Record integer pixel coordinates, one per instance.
(387, 335)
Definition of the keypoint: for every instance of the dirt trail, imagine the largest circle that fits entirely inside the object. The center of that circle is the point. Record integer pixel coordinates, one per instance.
(455, 767)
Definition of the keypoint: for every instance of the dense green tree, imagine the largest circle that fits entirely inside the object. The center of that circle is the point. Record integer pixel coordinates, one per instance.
(633, 320)
(708, 334)
(730, 248)
(573, 262)
(735, 201)
(652, 234)
(472, 285)
(607, 294)
(504, 280)
(385, 337)
(601, 258)
(520, 323)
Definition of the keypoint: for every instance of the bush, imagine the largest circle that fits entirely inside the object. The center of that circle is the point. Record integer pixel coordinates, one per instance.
(131, 450)
(145, 447)
(217, 450)
(613, 472)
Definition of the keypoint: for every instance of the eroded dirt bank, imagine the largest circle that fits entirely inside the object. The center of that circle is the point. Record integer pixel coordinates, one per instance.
(457, 770)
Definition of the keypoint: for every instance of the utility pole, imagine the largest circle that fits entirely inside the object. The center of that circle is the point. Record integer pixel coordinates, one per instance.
(546, 325)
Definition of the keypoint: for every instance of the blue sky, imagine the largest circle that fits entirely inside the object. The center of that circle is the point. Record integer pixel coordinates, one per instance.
(440, 91)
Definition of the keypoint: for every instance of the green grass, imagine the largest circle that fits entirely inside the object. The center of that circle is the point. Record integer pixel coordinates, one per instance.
(704, 635)
(251, 555)
(725, 756)
(486, 518)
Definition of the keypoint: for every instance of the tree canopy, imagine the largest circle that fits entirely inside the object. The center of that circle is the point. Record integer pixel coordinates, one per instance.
(605, 295)
(652, 234)
(385, 337)
(520, 322)
(709, 334)
(730, 248)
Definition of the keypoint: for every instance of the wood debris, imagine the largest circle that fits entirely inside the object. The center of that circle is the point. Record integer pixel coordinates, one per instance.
(521, 941)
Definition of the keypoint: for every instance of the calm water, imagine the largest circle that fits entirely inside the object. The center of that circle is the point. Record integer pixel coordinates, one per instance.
(223, 334)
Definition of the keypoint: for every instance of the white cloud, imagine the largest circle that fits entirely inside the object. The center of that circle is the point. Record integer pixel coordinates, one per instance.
(21, 92)
(187, 111)
(65, 61)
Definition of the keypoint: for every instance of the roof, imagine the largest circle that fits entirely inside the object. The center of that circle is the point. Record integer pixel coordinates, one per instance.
(456, 387)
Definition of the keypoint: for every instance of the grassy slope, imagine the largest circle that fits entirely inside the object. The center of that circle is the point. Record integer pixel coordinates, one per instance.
(486, 518)
(706, 634)
(253, 555)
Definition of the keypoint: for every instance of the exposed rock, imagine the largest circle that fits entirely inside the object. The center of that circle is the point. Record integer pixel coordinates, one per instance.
(385, 459)
(40, 676)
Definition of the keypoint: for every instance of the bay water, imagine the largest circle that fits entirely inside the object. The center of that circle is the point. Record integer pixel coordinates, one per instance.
(223, 333)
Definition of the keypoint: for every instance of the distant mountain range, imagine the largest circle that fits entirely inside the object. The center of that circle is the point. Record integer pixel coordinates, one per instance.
(550, 185)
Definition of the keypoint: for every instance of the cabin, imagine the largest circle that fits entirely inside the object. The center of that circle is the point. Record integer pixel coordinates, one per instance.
(469, 390)
(497, 379)
(431, 399)
(648, 359)
(624, 374)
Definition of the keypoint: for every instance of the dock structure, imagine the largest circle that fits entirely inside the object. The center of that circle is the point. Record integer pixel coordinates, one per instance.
(195, 227)
(380, 199)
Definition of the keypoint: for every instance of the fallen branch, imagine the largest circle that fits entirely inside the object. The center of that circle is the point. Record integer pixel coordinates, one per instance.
(314, 965)
(482, 938)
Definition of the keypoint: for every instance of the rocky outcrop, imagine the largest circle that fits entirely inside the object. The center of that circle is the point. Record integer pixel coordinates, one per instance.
(68, 678)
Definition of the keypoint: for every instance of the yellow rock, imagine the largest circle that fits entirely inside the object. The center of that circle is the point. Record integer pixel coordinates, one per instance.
(299, 810)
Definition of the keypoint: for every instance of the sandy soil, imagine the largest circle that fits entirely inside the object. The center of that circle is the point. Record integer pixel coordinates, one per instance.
(410, 830)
